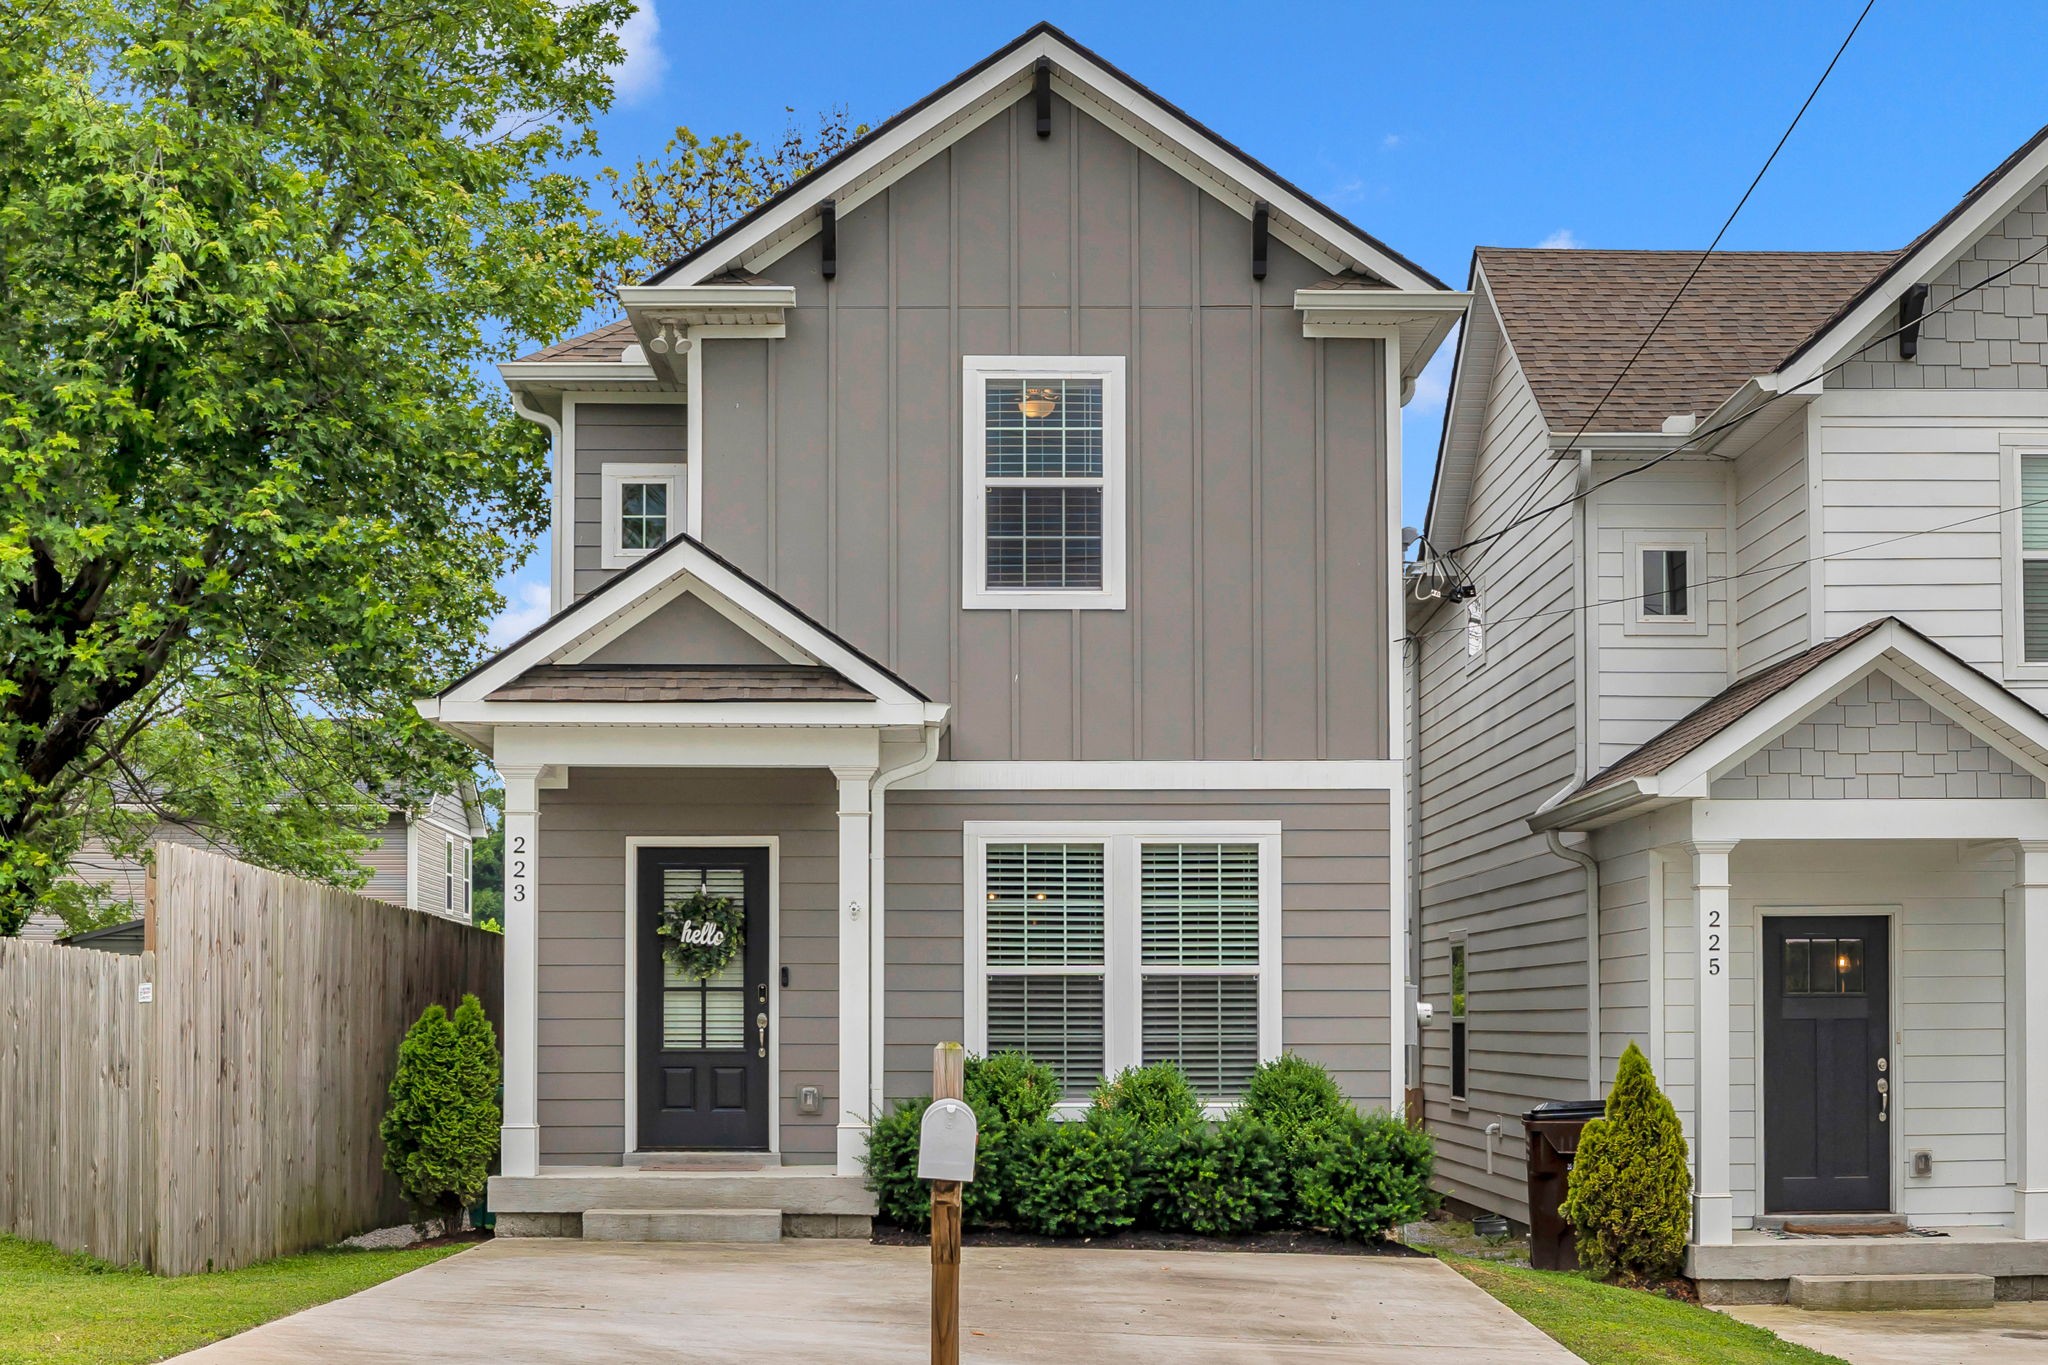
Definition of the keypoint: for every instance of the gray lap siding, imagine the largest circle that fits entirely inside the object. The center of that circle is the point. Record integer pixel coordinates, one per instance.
(582, 870)
(1334, 865)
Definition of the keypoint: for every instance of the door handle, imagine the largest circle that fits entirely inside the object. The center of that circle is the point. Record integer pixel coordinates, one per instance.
(1884, 1099)
(761, 1023)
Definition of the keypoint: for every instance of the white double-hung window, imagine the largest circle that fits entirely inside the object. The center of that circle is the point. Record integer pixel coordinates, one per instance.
(1044, 508)
(1092, 948)
(2025, 496)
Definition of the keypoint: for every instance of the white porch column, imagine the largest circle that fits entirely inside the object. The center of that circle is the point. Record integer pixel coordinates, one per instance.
(1713, 1206)
(519, 1140)
(855, 1034)
(2030, 1041)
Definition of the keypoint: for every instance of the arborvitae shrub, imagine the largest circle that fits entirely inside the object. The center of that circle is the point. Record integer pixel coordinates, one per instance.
(1009, 1087)
(1369, 1176)
(1077, 1179)
(441, 1130)
(892, 1166)
(1156, 1096)
(1629, 1197)
(1218, 1180)
(1292, 1096)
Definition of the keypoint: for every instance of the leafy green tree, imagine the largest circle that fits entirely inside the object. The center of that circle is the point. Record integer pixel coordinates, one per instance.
(1629, 1197)
(442, 1128)
(696, 187)
(487, 866)
(257, 254)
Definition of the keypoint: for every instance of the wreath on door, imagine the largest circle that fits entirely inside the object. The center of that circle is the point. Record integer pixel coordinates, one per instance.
(701, 933)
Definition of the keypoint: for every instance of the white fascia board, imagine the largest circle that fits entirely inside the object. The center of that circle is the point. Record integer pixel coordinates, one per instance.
(707, 715)
(1087, 86)
(1933, 257)
(677, 559)
(1383, 305)
(709, 310)
(1163, 775)
(551, 374)
(652, 746)
(1972, 818)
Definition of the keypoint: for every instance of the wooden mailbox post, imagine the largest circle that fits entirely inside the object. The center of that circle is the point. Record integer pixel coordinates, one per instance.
(945, 1156)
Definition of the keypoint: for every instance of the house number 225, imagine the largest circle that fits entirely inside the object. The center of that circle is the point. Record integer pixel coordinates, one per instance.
(1714, 932)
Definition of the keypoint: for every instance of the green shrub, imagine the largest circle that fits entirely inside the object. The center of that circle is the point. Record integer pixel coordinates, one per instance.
(1009, 1087)
(1077, 1179)
(441, 1130)
(1155, 1096)
(1219, 1181)
(900, 1197)
(1629, 1197)
(1294, 1097)
(1370, 1173)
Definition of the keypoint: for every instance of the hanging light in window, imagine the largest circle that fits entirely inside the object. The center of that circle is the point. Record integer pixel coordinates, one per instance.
(1039, 403)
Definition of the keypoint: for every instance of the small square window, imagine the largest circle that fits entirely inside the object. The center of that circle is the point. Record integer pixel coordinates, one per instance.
(642, 508)
(1666, 583)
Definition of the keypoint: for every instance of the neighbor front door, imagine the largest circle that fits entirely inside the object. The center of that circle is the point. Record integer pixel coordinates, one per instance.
(704, 1043)
(1828, 1077)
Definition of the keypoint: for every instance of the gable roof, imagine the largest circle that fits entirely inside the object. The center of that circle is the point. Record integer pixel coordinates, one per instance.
(955, 108)
(1679, 762)
(1575, 318)
(680, 682)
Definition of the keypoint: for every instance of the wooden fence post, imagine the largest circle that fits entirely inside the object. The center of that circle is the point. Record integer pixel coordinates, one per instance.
(949, 1082)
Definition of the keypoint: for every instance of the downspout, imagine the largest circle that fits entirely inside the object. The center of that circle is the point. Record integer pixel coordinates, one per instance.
(1412, 645)
(878, 940)
(524, 406)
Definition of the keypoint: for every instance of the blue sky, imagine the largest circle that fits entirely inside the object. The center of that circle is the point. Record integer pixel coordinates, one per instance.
(1441, 126)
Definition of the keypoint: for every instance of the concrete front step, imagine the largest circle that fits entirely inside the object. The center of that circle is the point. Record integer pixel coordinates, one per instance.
(1871, 1293)
(575, 1189)
(682, 1225)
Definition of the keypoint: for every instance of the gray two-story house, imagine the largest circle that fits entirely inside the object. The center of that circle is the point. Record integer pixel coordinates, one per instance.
(980, 564)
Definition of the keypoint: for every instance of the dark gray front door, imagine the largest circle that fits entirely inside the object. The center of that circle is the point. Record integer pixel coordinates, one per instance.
(704, 1044)
(1827, 1064)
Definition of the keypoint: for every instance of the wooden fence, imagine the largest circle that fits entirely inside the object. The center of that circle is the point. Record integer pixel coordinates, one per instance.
(234, 1116)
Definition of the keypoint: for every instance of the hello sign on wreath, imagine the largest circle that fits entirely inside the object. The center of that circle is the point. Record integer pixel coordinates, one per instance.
(701, 933)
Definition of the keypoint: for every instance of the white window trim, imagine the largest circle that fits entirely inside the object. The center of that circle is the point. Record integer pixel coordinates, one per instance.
(2012, 446)
(1694, 622)
(614, 478)
(976, 371)
(1122, 1042)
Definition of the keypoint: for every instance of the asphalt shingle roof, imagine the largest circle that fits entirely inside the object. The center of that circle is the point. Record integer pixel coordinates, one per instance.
(679, 682)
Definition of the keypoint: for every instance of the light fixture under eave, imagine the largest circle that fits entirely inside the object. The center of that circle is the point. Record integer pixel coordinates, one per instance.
(1038, 403)
(668, 336)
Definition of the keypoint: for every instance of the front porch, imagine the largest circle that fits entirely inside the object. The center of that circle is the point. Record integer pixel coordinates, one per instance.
(614, 1203)
(1755, 1266)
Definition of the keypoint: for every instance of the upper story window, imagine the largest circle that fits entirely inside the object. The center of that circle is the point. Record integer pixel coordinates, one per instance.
(642, 507)
(1044, 520)
(2033, 554)
(1665, 591)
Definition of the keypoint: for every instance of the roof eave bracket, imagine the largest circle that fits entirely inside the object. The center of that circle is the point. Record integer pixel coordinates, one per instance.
(1912, 305)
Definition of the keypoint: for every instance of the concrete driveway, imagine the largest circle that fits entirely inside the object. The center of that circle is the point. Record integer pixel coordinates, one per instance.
(2006, 1334)
(540, 1301)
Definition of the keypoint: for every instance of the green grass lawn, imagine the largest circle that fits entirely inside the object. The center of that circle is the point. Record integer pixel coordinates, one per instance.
(60, 1309)
(1606, 1325)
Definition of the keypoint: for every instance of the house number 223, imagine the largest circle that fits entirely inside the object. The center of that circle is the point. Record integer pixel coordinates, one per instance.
(518, 867)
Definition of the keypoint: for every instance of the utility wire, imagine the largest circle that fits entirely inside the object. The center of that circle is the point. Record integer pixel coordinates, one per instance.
(1701, 263)
(1696, 437)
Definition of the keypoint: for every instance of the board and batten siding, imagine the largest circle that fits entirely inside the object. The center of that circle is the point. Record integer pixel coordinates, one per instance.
(1497, 739)
(1333, 922)
(617, 433)
(582, 890)
(1256, 625)
(1771, 548)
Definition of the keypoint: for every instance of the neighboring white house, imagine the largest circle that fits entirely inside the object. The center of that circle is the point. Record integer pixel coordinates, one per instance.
(1775, 701)
(422, 860)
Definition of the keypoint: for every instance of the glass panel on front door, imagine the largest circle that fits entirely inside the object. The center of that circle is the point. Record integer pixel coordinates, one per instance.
(708, 1015)
(1823, 966)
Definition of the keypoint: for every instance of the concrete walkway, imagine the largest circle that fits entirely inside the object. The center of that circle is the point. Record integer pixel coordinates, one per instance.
(2007, 1334)
(541, 1301)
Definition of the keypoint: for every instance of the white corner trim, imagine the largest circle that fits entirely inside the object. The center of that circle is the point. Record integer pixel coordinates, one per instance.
(1122, 969)
(1365, 774)
(771, 842)
(976, 371)
(612, 480)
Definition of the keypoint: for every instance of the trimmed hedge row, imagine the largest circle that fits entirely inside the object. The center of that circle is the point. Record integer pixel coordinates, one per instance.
(1294, 1153)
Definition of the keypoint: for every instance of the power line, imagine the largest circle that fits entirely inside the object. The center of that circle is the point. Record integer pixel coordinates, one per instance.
(1701, 263)
(1786, 567)
(1696, 437)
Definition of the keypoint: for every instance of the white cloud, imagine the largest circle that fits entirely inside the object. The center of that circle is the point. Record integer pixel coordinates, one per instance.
(1561, 240)
(640, 74)
(1346, 192)
(525, 608)
(1391, 141)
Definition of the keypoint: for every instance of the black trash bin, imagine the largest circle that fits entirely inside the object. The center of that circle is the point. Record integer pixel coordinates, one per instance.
(1554, 1130)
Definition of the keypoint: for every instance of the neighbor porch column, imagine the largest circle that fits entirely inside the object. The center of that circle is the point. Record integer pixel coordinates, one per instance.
(519, 1143)
(2030, 1041)
(855, 1032)
(1713, 1206)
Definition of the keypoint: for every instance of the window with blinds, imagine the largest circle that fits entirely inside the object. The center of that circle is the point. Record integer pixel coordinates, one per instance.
(1102, 954)
(1044, 932)
(2034, 558)
(704, 1016)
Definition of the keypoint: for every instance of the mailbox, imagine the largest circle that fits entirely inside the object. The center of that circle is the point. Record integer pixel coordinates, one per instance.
(945, 1142)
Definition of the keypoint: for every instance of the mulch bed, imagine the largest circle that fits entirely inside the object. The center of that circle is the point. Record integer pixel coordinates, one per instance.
(1286, 1241)
(460, 1239)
